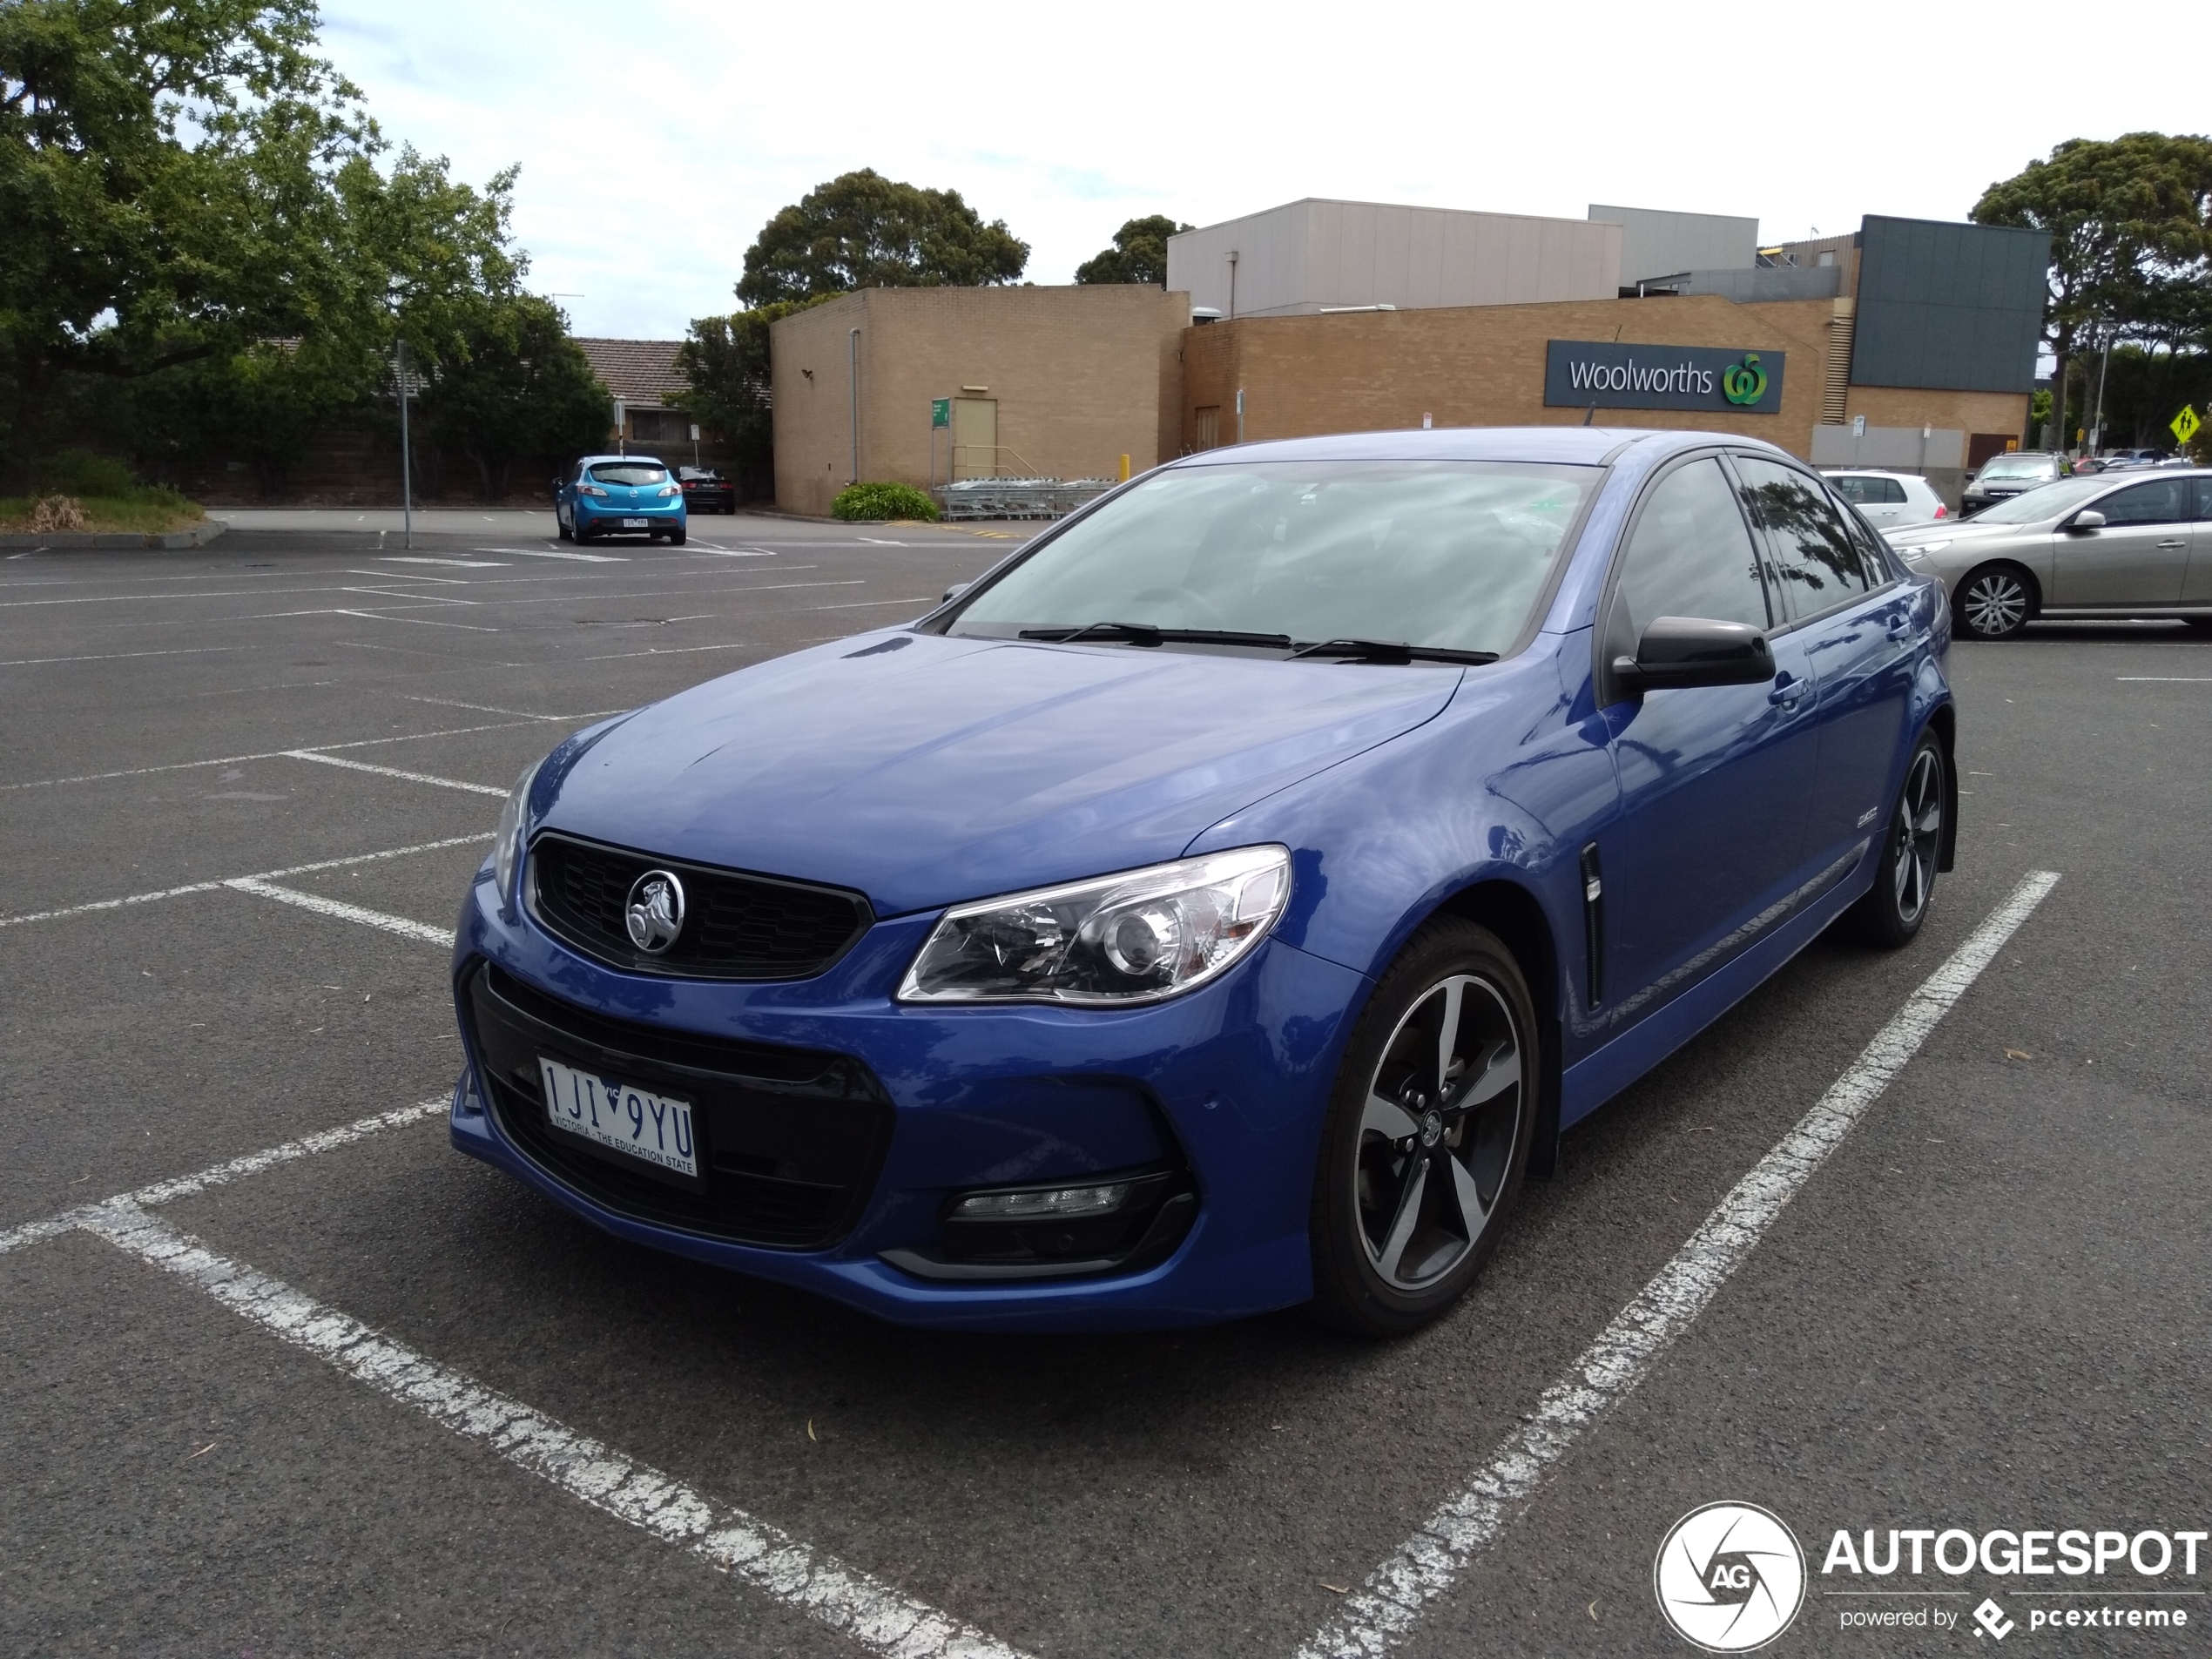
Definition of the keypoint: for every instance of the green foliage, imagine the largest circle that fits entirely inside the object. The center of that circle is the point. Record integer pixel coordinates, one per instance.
(79, 472)
(861, 230)
(1139, 254)
(2130, 219)
(882, 501)
(725, 364)
(510, 384)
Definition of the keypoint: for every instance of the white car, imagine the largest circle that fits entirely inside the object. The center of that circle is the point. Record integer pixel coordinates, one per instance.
(1890, 500)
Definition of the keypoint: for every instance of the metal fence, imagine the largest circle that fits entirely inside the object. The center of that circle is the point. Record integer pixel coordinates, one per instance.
(1017, 498)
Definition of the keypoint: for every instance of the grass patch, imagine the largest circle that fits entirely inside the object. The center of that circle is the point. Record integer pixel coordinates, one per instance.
(144, 509)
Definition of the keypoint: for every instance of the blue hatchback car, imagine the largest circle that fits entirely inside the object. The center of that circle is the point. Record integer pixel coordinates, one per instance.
(1224, 902)
(617, 496)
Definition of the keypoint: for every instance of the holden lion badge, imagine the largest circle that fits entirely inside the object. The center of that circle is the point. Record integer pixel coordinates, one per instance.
(655, 913)
(1730, 1577)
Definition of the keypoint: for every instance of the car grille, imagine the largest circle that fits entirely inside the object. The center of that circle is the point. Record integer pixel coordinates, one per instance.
(735, 927)
(790, 1140)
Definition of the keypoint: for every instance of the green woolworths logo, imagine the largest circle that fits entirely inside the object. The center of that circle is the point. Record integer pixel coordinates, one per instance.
(1744, 383)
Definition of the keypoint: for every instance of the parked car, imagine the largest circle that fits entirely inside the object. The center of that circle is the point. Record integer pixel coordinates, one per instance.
(620, 495)
(706, 490)
(2125, 544)
(1223, 902)
(2003, 476)
(1890, 500)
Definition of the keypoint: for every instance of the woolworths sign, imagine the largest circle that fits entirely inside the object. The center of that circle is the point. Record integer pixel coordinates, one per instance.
(1578, 373)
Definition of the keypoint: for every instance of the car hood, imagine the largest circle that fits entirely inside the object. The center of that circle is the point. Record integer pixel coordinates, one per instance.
(924, 771)
(1953, 529)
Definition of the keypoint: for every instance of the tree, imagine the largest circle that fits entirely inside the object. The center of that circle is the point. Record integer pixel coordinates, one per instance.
(861, 230)
(1139, 254)
(725, 364)
(166, 173)
(511, 385)
(2130, 220)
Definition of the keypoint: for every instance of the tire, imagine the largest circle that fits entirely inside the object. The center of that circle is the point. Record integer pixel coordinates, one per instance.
(561, 528)
(1414, 1183)
(583, 533)
(1995, 601)
(2199, 622)
(676, 537)
(1893, 909)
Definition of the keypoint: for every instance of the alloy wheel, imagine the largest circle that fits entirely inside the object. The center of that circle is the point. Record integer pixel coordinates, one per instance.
(1438, 1133)
(1995, 604)
(1916, 831)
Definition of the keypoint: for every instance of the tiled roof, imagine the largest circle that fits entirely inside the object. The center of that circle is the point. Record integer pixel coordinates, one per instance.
(642, 373)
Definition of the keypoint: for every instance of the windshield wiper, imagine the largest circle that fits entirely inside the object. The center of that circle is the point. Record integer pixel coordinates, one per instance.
(1389, 651)
(1141, 633)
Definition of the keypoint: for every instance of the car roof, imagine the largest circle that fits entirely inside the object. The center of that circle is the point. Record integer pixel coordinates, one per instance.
(1568, 445)
(1868, 472)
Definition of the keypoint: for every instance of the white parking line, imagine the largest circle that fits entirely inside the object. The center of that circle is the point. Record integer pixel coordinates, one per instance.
(870, 1612)
(320, 748)
(442, 937)
(2164, 679)
(558, 553)
(395, 772)
(266, 875)
(386, 616)
(121, 656)
(459, 564)
(1388, 1605)
(268, 1157)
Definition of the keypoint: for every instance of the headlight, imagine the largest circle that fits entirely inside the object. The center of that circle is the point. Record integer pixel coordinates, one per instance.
(1125, 939)
(507, 839)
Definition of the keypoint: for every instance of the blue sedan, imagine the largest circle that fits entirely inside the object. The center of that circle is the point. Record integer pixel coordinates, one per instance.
(1226, 902)
(620, 495)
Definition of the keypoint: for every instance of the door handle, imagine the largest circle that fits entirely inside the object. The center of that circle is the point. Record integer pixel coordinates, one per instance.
(1786, 692)
(1900, 626)
(2172, 542)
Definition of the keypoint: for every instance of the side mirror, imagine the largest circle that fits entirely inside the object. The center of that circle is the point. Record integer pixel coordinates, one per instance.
(1691, 650)
(2087, 519)
(954, 592)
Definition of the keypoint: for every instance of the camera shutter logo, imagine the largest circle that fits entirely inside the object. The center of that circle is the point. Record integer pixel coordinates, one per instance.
(1744, 383)
(1730, 1577)
(655, 913)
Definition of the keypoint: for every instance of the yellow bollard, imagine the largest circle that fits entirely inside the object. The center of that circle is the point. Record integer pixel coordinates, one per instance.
(1124, 468)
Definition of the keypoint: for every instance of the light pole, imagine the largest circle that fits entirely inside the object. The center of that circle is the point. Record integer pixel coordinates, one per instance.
(406, 453)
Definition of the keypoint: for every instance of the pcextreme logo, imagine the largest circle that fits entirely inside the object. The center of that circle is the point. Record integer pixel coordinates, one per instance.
(1744, 383)
(1730, 1576)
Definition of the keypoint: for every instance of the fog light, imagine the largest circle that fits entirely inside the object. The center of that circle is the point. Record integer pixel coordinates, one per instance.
(1041, 1201)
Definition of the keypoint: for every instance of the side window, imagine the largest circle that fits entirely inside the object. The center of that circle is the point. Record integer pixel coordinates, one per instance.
(1689, 554)
(1853, 488)
(1811, 556)
(2204, 498)
(1873, 554)
(2163, 501)
(1884, 490)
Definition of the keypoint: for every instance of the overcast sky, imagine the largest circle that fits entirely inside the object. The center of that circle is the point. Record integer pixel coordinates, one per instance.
(655, 140)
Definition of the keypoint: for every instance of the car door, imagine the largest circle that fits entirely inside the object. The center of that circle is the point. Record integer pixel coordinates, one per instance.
(2139, 556)
(1715, 780)
(2196, 587)
(1857, 626)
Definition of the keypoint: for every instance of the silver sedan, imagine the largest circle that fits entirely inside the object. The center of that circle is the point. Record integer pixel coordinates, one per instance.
(2125, 545)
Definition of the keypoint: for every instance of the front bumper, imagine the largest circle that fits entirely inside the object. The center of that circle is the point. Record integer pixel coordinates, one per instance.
(1226, 1087)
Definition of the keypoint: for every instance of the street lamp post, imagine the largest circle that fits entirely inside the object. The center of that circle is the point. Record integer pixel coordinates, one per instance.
(406, 453)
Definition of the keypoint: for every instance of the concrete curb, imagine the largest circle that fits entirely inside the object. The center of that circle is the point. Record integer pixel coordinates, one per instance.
(69, 541)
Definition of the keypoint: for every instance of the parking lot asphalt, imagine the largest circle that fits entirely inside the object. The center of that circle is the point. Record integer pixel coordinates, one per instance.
(1986, 1309)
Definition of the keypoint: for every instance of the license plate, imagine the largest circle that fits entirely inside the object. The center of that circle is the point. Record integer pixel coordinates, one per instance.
(634, 524)
(620, 1117)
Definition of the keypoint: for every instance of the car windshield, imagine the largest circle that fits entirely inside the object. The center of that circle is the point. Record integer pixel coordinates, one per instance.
(2031, 505)
(630, 472)
(1449, 556)
(2019, 467)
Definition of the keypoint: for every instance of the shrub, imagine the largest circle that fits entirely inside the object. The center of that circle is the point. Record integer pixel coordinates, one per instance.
(80, 473)
(881, 501)
(52, 513)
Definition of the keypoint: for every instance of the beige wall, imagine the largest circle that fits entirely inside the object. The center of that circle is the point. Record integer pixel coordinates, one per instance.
(1081, 376)
(1484, 366)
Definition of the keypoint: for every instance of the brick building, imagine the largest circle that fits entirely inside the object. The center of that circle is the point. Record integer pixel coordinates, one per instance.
(1057, 383)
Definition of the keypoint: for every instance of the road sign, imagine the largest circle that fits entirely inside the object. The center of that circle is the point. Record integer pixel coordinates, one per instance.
(2184, 426)
(940, 412)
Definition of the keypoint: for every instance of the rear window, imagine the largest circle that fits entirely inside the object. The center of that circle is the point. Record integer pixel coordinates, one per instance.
(630, 472)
